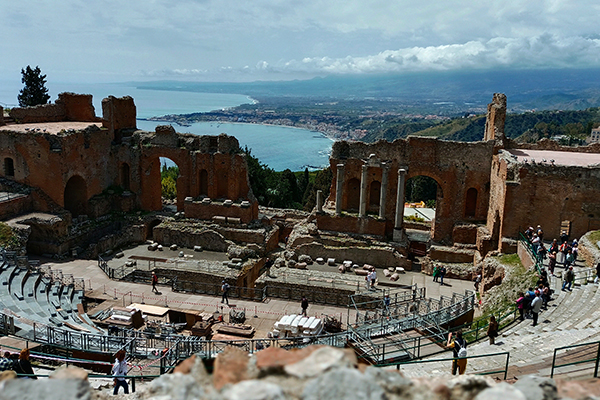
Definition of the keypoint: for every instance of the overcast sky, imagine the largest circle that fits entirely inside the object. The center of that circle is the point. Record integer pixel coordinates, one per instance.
(232, 40)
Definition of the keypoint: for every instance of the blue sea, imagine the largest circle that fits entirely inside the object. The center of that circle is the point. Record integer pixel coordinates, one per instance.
(278, 147)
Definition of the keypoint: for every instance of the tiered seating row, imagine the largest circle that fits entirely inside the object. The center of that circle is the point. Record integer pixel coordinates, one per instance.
(32, 298)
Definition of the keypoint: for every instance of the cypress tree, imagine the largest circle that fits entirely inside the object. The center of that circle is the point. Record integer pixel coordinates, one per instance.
(34, 92)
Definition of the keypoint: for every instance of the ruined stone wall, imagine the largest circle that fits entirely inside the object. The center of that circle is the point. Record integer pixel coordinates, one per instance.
(211, 163)
(118, 115)
(365, 226)
(200, 210)
(41, 113)
(376, 256)
(2, 123)
(501, 177)
(68, 107)
(15, 206)
(496, 115)
(547, 195)
(456, 167)
(78, 107)
(48, 161)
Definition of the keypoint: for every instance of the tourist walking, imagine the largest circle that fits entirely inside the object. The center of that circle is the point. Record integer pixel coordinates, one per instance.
(492, 329)
(569, 279)
(536, 306)
(304, 305)
(442, 274)
(119, 370)
(23, 366)
(436, 273)
(477, 282)
(521, 305)
(154, 282)
(552, 262)
(373, 277)
(569, 259)
(225, 291)
(459, 351)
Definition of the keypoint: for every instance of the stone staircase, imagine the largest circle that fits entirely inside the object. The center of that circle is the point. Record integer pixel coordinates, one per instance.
(572, 317)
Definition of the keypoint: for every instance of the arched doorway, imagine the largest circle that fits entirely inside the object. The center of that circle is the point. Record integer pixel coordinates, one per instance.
(75, 196)
(169, 174)
(421, 198)
(353, 196)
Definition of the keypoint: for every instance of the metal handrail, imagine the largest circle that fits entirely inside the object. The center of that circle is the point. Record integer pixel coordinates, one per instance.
(596, 359)
(505, 370)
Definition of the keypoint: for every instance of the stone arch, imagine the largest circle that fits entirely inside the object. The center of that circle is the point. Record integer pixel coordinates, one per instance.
(203, 182)
(374, 194)
(75, 196)
(9, 167)
(353, 194)
(222, 184)
(125, 175)
(471, 202)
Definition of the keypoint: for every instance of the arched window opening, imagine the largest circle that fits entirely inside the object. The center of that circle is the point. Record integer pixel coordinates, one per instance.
(75, 196)
(9, 167)
(125, 176)
(471, 202)
(222, 184)
(353, 196)
(375, 193)
(203, 182)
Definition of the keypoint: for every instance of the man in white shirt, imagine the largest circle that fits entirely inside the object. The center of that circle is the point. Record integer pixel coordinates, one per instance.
(536, 306)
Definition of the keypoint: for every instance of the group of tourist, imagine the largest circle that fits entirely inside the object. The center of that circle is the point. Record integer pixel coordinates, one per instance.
(22, 365)
(560, 252)
(438, 274)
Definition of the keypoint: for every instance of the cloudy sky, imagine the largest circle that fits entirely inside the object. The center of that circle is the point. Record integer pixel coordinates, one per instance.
(235, 40)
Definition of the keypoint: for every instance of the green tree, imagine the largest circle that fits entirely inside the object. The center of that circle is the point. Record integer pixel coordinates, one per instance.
(35, 91)
(168, 181)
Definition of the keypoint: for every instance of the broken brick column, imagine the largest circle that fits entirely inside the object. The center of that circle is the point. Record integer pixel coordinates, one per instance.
(338, 189)
(383, 192)
(399, 205)
(362, 205)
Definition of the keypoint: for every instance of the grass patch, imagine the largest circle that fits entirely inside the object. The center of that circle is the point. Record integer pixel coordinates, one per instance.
(511, 260)
(8, 238)
(594, 236)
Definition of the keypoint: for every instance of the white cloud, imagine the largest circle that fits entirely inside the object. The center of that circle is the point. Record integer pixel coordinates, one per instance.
(197, 38)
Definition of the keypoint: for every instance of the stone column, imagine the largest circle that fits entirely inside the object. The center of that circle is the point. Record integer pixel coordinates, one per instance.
(362, 206)
(338, 189)
(399, 205)
(383, 193)
(319, 201)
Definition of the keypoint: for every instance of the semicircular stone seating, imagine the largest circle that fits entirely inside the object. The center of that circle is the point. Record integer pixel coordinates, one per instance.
(30, 297)
(572, 317)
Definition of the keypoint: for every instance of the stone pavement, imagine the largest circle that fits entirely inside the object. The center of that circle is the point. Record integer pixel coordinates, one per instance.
(111, 292)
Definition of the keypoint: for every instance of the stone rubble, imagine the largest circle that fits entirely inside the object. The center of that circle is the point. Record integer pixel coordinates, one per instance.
(312, 373)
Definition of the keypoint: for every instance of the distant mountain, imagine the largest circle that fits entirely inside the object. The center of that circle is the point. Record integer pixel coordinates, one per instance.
(567, 89)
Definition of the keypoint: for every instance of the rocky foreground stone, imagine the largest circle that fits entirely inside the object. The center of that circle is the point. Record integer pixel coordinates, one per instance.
(312, 373)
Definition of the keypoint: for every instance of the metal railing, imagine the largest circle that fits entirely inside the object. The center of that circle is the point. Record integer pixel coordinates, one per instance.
(538, 261)
(592, 348)
(500, 371)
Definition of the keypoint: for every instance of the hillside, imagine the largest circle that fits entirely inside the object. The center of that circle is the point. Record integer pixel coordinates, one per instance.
(526, 127)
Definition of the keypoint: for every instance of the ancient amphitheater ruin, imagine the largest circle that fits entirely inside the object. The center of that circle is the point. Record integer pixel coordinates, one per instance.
(75, 186)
